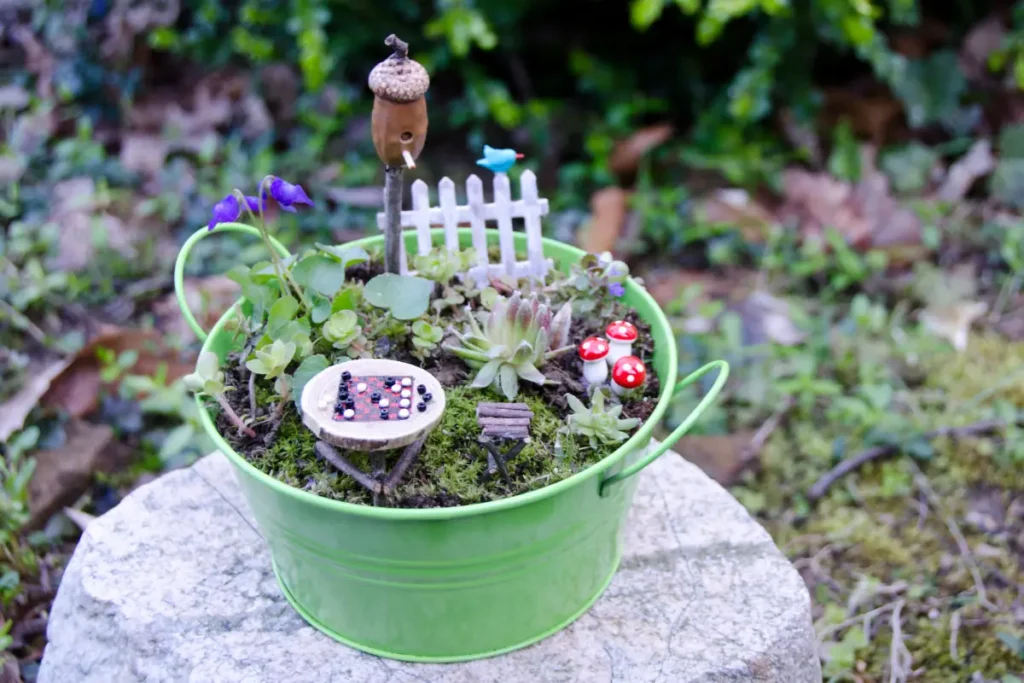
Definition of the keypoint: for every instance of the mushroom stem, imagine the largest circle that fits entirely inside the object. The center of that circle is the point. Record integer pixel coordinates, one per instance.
(595, 371)
(618, 349)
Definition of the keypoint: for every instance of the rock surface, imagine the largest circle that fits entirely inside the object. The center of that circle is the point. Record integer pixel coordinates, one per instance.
(175, 585)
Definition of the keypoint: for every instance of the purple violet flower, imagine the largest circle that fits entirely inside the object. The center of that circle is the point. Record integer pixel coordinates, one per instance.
(254, 204)
(225, 211)
(286, 194)
(616, 289)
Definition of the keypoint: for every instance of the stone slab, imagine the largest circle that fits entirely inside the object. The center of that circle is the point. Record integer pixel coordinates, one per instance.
(174, 585)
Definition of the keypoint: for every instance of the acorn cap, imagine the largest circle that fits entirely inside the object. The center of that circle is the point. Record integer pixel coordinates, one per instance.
(399, 78)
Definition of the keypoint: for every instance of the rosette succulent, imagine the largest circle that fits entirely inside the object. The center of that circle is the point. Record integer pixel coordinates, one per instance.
(516, 337)
(602, 427)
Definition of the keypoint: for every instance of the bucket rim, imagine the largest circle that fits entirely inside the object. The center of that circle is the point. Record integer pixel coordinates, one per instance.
(640, 440)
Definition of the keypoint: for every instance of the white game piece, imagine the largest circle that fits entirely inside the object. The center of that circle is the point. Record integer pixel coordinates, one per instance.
(384, 403)
(349, 414)
(407, 381)
(361, 387)
(403, 414)
(404, 403)
(324, 403)
(396, 388)
(406, 393)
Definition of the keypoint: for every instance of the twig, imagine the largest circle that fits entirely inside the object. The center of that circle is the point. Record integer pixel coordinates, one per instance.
(954, 634)
(865, 617)
(339, 461)
(232, 416)
(398, 471)
(252, 394)
(19, 318)
(954, 529)
(764, 432)
(277, 417)
(823, 484)
(900, 659)
(393, 217)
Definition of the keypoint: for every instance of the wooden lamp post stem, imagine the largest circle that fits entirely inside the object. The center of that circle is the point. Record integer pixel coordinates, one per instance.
(393, 218)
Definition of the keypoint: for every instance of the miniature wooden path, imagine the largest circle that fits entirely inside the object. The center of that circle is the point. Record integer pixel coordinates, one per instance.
(506, 421)
(372, 404)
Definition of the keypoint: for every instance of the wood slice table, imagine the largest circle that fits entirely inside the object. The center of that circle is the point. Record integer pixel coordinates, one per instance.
(372, 404)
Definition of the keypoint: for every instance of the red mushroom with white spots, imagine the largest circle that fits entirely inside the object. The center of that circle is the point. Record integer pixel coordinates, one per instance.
(628, 373)
(621, 335)
(593, 351)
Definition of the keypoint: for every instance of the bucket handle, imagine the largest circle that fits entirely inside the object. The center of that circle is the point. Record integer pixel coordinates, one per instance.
(186, 249)
(678, 432)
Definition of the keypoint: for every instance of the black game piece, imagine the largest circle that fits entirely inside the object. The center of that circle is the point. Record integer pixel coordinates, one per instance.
(427, 397)
(346, 376)
(375, 396)
(389, 381)
(421, 406)
(422, 389)
(343, 394)
(339, 407)
(384, 413)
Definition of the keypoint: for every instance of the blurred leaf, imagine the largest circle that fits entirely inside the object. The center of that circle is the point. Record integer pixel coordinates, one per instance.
(908, 168)
(320, 273)
(844, 162)
(930, 88)
(1007, 183)
(307, 370)
(407, 297)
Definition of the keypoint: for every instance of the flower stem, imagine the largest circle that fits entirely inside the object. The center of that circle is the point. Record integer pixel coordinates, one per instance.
(282, 273)
(232, 416)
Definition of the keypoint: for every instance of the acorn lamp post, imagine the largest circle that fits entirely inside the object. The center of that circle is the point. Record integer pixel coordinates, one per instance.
(398, 126)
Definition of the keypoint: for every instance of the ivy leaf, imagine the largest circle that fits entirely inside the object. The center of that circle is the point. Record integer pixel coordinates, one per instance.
(908, 168)
(407, 297)
(306, 371)
(347, 255)
(319, 273)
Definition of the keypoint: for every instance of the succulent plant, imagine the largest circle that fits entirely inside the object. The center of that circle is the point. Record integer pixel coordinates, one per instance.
(602, 427)
(342, 329)
(516, 338)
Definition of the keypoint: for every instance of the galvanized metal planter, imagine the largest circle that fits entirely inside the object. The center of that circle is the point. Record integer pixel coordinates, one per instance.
(451, 584)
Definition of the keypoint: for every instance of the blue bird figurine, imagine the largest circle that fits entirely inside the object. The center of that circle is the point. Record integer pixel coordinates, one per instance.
(498, 160)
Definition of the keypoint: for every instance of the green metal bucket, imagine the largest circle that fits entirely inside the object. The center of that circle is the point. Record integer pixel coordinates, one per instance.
(452, 584)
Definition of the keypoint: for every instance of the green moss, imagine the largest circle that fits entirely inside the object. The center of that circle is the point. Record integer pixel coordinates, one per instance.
(450, 468)
(874, 528)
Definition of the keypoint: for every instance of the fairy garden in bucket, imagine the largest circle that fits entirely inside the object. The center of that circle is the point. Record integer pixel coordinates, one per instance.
(463, 373)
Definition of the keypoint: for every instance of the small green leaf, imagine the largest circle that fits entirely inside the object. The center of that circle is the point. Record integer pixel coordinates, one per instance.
(321, 309)
(306, 371)
(347, 255)
(320, 273)
(348, 299)
(281, 313)
(407, 297)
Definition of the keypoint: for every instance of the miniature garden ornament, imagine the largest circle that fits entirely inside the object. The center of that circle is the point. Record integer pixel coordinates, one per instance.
(398, 126)
(628, 373)
(498, 160)
(593, 352)
(621, 335)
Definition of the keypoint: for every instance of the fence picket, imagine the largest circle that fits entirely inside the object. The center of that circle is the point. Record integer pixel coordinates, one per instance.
(475, 200)
(531, 218)
(449, 209)
(477, 213)
(503, 211)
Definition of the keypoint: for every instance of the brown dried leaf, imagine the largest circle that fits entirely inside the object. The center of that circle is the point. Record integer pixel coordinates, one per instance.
(721, 457)
(79, 212)
(978, 162)
(983, 39)
(63, 474)
(76, 389)
(145, 154)
(953, 322)
(626, 155)
(14, 411)
(865, 214)
(736, 207)
(608, 208)
(767, 319)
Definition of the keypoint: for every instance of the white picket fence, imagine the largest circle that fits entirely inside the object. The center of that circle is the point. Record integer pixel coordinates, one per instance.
(477, 214)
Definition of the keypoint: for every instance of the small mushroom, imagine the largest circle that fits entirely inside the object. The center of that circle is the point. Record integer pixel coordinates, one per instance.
(621, 336)
(628, 373)
(593, 351)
